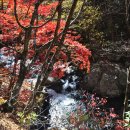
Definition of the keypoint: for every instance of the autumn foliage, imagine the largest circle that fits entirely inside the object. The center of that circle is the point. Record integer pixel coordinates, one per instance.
(12, 35)
(40, 43)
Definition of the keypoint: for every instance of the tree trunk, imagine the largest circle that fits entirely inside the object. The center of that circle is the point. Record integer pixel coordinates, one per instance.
(127, 6)
(17, 87)
(127, 94)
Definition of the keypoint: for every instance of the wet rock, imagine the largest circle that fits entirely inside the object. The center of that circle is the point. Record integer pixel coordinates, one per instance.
(108, 69)
(107, 79)
(94, 77)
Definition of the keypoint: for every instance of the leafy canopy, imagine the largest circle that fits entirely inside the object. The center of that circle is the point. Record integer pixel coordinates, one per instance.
(12, 35)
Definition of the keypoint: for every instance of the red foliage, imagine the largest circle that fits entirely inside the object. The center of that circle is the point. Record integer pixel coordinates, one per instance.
(9, 27)
(25, 95)
(79, 55)
(72, 51)
(118, 127)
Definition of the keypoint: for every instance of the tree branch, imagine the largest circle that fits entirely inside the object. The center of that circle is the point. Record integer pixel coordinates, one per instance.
(16, 16)
(39, 26)
(126, 93)
(68, 21)
(80, 11)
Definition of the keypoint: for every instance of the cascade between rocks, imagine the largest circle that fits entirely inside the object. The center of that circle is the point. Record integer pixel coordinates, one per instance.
(64, 103)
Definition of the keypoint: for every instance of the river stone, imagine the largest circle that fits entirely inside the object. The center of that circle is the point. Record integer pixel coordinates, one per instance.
(107, 79)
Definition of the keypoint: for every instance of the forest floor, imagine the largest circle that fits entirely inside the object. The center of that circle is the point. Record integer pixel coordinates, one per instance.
(7, 123)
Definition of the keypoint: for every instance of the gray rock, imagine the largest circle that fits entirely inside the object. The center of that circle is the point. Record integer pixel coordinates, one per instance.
(94, 77)
(108, 70)
(107, 79)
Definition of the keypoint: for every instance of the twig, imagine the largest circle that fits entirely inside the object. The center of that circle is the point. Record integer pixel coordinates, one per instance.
(16, 16)
(80, 11)
(39, 26)
(126, 93)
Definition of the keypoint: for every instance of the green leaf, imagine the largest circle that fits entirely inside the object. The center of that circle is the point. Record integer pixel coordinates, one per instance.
(84, 117)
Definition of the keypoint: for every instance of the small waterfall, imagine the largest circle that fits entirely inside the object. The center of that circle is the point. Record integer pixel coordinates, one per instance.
(65, 104)
(62, 107)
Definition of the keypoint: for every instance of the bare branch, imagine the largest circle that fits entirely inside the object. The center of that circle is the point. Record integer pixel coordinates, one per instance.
(68, 21)
(16, 16)
(80, 11)
(28, 9)
(126, 93)
(4, 45)
(55, 39)
(46, 21)
(127, 6)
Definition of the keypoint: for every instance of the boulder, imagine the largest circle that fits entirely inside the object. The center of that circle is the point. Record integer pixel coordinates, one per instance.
(108, 69)
(107, 79)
